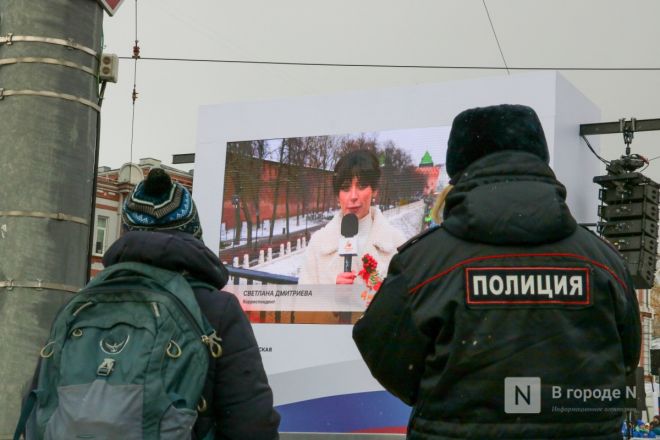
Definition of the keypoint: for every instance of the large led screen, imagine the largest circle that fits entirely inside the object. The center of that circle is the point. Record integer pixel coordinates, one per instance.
(283, 206)
(264, 188)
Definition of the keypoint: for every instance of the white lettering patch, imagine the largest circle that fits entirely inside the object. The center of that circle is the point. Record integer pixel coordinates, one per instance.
(510, 286)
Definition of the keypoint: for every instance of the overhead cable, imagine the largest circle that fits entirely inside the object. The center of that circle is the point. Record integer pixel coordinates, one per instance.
(392, 66)
(497, 40)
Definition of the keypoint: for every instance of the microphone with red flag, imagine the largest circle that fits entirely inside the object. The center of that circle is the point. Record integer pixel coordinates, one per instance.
(348, 240)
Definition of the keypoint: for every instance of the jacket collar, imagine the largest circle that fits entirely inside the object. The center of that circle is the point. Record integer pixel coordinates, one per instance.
(508, 198)
(380, 241)
(172, 250)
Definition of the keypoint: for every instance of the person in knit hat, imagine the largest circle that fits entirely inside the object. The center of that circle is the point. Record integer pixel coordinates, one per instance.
(158, 204)
(489, 322)
(162, 229)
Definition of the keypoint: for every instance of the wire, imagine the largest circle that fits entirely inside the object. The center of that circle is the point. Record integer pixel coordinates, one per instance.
(136, 20)
(606, 162)
(497, 40)
(135, 57)
(646, 161)
(395, 66)
(102, 92)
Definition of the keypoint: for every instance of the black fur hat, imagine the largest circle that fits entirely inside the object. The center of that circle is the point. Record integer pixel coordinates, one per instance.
(480, 131)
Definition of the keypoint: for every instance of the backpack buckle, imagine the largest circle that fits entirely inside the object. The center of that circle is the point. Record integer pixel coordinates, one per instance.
(213, 342)
(106, 367)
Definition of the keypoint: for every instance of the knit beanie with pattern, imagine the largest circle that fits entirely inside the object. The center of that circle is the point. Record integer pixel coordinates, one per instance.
(157, 203)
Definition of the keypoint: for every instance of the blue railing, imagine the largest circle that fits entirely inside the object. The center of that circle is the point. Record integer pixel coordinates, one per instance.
(256, 275)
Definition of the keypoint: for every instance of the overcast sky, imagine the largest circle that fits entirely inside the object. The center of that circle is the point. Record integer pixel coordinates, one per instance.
(564, 34)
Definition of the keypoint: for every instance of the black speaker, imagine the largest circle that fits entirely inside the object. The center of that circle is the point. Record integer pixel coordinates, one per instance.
(655, 361)
(635, 392)
(629, 220)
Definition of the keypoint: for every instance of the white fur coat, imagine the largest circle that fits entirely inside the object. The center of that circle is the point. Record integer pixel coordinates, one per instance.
(322, 262)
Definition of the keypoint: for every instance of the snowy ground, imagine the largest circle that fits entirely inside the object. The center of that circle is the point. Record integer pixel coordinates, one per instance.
(407, 218)
(280, 224)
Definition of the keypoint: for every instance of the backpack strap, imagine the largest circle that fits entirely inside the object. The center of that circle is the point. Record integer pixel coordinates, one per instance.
(26, 411)
(206, 429)
(197, 284)
(28, 403)
(169, 280)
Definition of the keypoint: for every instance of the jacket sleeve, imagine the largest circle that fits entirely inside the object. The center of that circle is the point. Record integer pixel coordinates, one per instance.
(309, 270)
(629, 326)
(391, 345)
(242, 398)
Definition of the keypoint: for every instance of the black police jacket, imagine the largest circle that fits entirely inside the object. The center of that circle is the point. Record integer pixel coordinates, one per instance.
(509, 320)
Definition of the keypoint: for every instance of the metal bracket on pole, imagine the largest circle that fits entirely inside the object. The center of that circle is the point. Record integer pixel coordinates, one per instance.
(49, 94)
(38, 285)
(54, 61)
(49, 215)
(620, 126)
(628, 129)
(11, 39)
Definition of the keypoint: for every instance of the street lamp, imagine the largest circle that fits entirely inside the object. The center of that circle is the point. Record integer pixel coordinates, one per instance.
(236, 203)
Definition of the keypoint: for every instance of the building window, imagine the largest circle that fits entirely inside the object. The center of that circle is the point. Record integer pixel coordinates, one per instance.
(101, 234)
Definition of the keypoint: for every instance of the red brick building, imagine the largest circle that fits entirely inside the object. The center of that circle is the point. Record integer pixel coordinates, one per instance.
(262, 186)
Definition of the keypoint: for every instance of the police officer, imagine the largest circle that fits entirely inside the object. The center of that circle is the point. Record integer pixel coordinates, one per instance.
(508, 320)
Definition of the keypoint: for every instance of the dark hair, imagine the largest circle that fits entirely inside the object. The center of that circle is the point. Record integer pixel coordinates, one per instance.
(362, 164)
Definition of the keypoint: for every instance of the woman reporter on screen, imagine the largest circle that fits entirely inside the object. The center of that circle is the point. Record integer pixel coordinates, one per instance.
(355, 184)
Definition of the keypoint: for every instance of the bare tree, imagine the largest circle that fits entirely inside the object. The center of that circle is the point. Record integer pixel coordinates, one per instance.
(399, 177)
(242, 171)
(259, 152)
(328, 146)
(278, 179)
(362, 142)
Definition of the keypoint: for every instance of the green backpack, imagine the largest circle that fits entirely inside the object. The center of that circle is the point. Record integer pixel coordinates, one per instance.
(127, 359)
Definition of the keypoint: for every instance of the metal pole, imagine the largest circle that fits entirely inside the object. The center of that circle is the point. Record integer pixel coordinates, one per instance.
(256, 241)
(48, 119)
(97, 148)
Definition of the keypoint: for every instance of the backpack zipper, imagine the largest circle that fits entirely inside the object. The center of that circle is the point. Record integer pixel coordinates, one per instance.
(82, 307)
